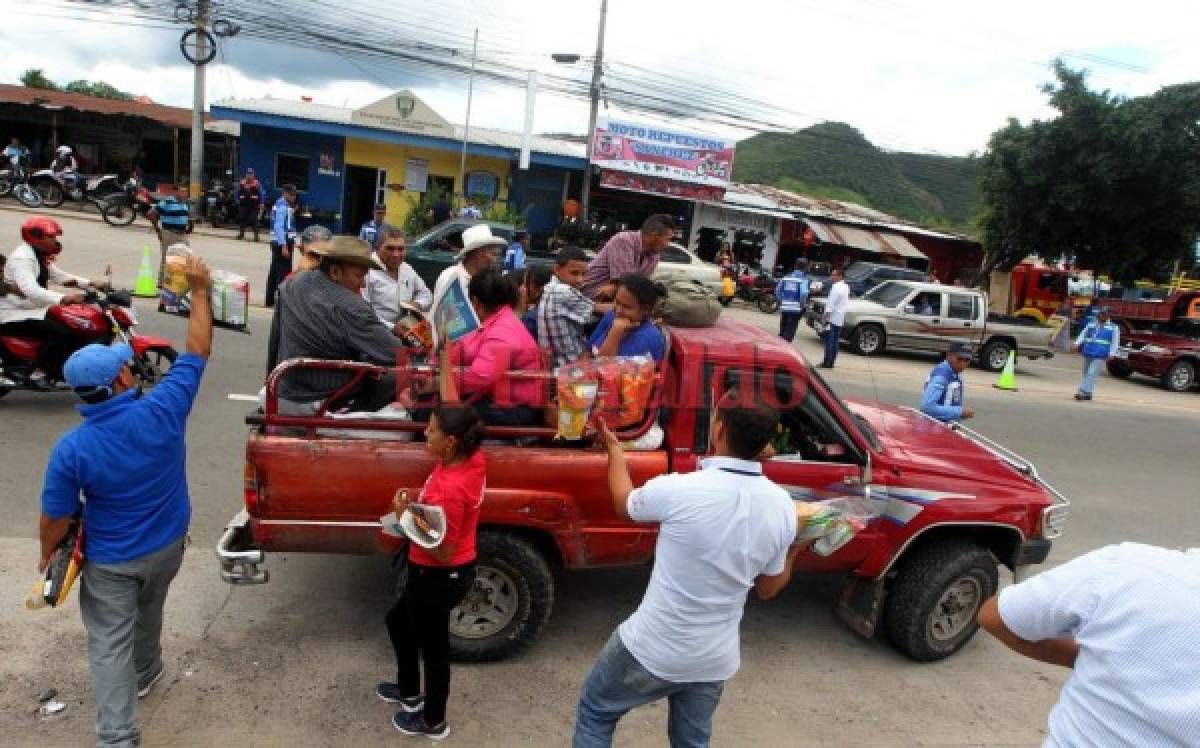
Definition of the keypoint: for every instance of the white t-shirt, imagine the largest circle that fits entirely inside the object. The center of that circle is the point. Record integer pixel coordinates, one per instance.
(835, 305)
(721, 527)
(385, 293)
(1135, 612)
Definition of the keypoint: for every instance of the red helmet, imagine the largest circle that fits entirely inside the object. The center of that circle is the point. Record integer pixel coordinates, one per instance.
(42, 234)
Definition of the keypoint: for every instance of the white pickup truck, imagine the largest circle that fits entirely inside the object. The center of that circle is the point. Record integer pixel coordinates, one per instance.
(928, 316)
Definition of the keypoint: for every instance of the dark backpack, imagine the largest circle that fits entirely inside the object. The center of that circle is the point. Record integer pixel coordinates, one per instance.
(689, 303)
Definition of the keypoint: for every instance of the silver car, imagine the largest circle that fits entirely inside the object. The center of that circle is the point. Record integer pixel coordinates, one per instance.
(678, 263)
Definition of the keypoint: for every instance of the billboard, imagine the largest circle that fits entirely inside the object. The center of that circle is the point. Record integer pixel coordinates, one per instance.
(666, 154)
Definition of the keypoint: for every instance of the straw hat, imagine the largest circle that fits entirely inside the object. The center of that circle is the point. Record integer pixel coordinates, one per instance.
(348, 249)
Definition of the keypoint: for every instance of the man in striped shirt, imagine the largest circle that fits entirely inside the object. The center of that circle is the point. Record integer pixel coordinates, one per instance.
(1125, 619)
(172, 220)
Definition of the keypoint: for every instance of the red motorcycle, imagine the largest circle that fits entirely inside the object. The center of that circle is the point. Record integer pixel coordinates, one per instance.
(757, 288)
(102, 318)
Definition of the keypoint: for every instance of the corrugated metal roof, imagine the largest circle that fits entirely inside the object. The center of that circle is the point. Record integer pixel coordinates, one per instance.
(880, 242)
(309, 110)
(167, 115)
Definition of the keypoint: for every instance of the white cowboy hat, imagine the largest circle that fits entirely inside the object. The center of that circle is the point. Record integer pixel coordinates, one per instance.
(479, 235)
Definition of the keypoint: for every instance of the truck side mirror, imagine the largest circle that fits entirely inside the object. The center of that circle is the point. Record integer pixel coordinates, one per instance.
(864, 477)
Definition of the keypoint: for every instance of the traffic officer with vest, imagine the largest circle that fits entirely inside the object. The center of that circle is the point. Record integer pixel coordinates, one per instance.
(792, 292)
(1098, 342)
(943, 397)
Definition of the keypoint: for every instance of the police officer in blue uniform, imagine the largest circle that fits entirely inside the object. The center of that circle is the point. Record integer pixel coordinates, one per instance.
(792, 292)
(1098, 342)
(943, 397)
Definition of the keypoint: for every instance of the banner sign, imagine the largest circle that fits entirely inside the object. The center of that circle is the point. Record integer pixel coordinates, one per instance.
(660, 186)
(655, 152)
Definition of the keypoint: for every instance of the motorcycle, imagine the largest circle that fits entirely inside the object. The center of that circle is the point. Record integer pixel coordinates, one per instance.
(755, 288)
(220, 203)
(56, 188)
(15, 181)
(121, 209)
(102, 318)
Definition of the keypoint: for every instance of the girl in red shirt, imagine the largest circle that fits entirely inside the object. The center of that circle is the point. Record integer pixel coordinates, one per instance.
(439, 577)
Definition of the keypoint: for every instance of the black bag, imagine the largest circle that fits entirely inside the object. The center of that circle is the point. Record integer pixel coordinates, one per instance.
(689, 303)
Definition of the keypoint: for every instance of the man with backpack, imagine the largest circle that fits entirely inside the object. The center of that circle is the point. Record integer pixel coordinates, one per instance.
(792, 292)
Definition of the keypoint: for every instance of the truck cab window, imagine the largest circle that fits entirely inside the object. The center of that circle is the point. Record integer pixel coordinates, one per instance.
(962, 306)
(809, 432)
(927, 304)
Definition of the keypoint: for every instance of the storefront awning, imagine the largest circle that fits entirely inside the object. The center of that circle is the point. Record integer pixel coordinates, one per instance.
(880, 242)
(749, 209)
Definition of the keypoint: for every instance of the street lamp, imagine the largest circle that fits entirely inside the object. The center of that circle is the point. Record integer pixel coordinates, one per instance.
(597, 71)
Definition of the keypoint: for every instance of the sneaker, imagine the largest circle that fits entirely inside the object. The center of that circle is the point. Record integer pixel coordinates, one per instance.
(143, 690)
(414, 724)
(390, 692)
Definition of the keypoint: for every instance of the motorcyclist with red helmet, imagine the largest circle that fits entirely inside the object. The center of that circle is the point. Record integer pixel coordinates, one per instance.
(30, 269)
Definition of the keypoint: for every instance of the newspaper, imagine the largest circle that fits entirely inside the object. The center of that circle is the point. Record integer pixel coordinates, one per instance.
(423, 524)
(454, 317)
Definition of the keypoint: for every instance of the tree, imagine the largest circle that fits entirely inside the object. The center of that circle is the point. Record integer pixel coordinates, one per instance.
(99, 89)
(36, 78)
(1111, 182)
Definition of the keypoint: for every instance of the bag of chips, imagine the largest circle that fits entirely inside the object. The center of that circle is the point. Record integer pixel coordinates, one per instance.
(576, 387)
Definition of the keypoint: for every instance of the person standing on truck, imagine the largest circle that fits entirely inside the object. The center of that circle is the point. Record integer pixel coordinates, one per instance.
(128, 459)
(792, 292)
(1099, 341)
(835, 316)
(1123, 619)
(944, 390)
(439, 577)
(628, 252)
(723, 530)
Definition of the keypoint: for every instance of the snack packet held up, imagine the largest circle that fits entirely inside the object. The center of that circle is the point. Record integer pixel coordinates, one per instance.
(830, 525)
(576, 388)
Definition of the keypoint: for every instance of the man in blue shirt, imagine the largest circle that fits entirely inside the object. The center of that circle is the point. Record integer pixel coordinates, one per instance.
(128, 461)
(1099, 341)
(943, 398)
(283, 241)
(172, 220)
(514, 258)
(792, 292)
(373, 231)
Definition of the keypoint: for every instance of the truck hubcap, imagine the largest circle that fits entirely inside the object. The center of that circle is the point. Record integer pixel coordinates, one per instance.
(999, 357)
(1181, 377)
(489, 606)
(956, 609)
(870, 341)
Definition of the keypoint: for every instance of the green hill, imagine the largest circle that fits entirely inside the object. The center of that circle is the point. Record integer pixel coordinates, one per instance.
(834, 160)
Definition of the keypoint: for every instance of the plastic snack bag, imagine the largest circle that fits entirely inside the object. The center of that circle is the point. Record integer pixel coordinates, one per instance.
(830, 525)
(172, 295)
(577, 388)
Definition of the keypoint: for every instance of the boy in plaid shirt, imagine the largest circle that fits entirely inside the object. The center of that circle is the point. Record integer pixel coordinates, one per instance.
(564, 310)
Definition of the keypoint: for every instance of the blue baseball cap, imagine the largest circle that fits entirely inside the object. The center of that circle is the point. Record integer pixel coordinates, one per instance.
(96, 365)
(959, 349)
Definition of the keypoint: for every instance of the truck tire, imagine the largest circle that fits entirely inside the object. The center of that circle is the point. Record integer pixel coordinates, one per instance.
(509, 603)
(868, 339)
(1118, 368)
(994, 355)
(1180, 377)
(932, 606)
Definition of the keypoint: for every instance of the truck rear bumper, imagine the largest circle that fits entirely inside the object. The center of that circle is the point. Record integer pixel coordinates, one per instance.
(238, 558)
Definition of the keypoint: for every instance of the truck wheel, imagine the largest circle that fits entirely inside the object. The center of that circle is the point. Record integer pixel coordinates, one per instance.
(509, 603)
(931, 608)
(1180, 377)
(867, 340)
(1118, 368)
(995, 355)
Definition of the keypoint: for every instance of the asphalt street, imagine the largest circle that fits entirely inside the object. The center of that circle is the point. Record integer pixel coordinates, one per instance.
(295, 661)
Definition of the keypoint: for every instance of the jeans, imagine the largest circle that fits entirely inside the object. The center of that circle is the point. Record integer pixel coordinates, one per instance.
(788, 322)
(280, 267)
(419, 627)
(122, 607)
(1091, 370)
(618, 683)
(832, 336)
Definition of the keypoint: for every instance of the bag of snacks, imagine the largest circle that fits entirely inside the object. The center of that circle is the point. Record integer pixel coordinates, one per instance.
(830, 525)
(576, 387)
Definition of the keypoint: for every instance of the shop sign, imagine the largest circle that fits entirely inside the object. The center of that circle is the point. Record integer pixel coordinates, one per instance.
(659, 186)
(327, 165)
(667, 154)
(404, 112)
(416, 174)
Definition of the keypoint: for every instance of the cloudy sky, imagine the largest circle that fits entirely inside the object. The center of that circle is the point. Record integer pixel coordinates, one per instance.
(923, 75)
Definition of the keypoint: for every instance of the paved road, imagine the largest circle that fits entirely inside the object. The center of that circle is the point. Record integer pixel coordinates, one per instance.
(295, 661)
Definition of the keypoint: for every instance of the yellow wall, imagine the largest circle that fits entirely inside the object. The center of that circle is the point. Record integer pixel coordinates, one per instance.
(392, 157)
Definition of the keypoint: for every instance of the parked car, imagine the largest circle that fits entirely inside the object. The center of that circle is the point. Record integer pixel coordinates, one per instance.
(678, 263)
(432, 252)
(1168, 352)
(819, 279)
(863, 276)
(951, 505)
(927, 316)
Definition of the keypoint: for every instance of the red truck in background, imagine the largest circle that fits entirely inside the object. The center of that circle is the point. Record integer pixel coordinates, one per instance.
(950, 505)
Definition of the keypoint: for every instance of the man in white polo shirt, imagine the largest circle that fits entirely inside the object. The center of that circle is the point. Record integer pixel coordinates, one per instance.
(1126, 619)
(723, 529)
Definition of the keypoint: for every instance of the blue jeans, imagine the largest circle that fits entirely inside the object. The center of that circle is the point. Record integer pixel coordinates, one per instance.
(618, 683)
(832, 336)
(1091, 370)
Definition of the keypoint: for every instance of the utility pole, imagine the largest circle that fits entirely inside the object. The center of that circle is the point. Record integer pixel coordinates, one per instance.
(597, 72)
(196, 170)
(462, 163)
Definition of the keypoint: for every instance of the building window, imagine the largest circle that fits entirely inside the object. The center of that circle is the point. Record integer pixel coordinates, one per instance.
(482, 184)
(291, 169)
(381, 186)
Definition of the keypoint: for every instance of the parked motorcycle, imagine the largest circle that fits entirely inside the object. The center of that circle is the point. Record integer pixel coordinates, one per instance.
(220, 203)
(15, 181)
(56, 188)
(756, 288)
(121, 209)
(102, 318)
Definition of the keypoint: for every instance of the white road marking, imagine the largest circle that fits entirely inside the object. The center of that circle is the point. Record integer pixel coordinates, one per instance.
(243, 398)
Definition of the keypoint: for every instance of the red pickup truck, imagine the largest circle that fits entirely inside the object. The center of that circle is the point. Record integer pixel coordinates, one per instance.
(951, 505)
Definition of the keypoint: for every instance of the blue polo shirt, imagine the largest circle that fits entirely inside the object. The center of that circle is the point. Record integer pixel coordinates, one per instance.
(172, 214)
(128, 460)
(646, 339)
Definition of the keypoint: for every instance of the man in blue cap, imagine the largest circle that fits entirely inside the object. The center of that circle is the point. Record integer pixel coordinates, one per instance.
(943, 397)
(128, 461)
(1099, 341)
